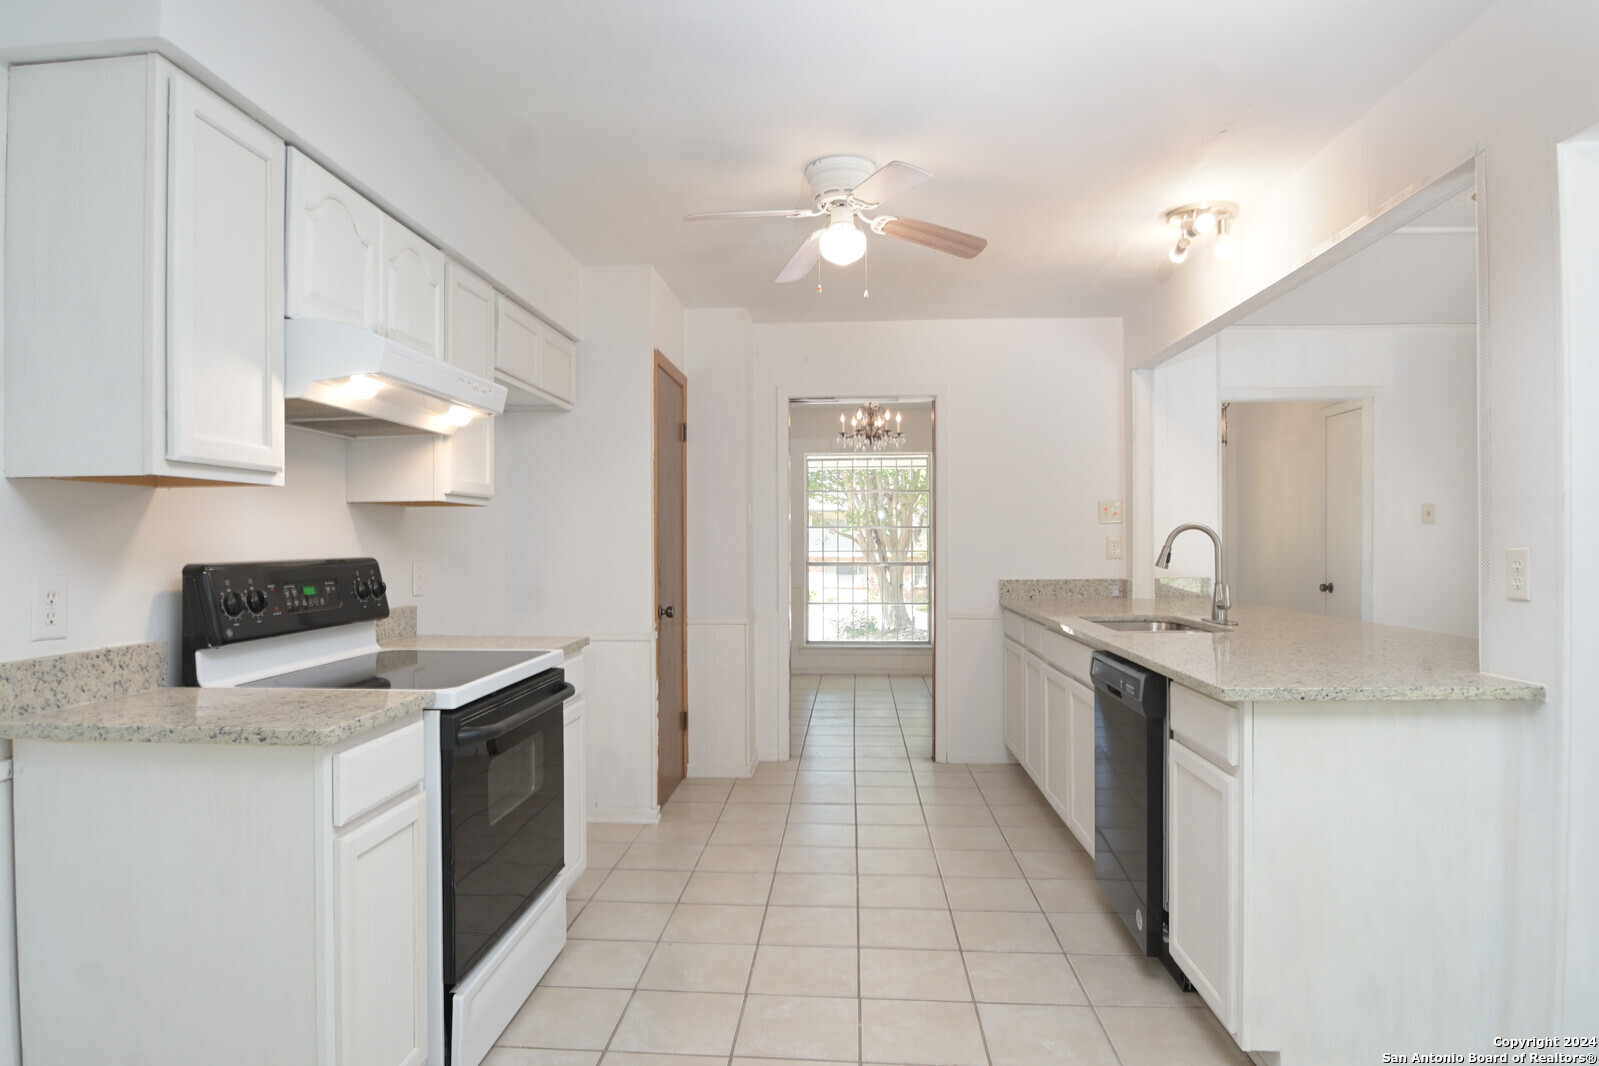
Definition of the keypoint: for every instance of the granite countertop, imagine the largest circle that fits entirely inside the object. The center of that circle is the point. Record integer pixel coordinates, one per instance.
(295, 717)
(116, 694)
(1274, 654)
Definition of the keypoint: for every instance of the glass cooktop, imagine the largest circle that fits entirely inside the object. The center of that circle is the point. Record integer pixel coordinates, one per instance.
(427, 669)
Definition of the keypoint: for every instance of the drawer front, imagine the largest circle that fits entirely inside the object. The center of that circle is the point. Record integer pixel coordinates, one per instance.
(1015, 627)
(574, 671)
(1067, 656)
(377, 771)
(1211, 728)
(1035, 638)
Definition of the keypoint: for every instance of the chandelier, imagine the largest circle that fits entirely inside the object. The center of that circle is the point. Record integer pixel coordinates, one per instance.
(869, 430)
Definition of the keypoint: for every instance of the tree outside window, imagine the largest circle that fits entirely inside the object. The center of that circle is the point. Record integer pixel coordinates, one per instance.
(868, 549)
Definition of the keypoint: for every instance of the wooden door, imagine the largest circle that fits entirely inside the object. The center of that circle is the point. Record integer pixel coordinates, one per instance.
(225, 285)
(380, 1002)
(671, 669)
(1345, 515)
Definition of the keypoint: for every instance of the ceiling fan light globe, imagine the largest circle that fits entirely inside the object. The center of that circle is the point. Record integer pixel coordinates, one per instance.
(843, 243)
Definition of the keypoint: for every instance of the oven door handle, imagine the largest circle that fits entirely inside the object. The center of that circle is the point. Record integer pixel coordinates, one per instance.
(494, 728)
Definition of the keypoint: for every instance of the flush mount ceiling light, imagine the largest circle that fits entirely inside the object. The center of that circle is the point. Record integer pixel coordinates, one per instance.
(1194, 221)
(870, 431)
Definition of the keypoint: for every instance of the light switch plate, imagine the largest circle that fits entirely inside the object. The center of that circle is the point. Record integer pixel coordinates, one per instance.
(1110, 513)
(416, 578)
(1429, 514)
(1518, 573)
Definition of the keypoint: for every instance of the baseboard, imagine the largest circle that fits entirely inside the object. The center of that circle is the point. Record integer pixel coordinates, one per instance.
(721, 769)
(624, 815)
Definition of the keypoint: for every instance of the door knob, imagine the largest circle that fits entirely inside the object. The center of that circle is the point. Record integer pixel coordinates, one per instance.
(1325, 586)
(668, 612)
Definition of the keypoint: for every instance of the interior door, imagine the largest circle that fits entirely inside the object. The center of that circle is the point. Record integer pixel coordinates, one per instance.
(1344, 516)
(670, 652)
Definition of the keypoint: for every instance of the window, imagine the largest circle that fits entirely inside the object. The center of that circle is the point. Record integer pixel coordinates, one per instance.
(869, 549)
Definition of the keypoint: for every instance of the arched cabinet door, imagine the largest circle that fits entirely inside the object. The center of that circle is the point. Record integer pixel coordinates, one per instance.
(413, 289)
(333, 266)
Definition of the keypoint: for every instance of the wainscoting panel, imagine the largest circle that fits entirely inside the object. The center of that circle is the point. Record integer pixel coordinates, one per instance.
(721, 717)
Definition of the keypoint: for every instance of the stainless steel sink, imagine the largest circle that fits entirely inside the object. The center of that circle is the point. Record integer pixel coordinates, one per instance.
(1127, 625)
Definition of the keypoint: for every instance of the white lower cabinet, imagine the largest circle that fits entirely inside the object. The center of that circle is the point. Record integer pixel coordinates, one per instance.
(1016, 699)
(1203, 834)
(200, 903)
(380, 938)
(1049, 726)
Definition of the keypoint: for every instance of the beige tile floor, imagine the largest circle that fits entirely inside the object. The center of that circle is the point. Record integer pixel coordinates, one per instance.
(859, 904)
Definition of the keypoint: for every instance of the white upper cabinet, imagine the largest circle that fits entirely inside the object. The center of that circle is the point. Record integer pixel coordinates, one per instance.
(332, 248)
(144, 295)
(537, 364)
(413, 288)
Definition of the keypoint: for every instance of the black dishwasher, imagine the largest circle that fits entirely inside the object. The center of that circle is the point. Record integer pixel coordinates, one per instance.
(1130, 799)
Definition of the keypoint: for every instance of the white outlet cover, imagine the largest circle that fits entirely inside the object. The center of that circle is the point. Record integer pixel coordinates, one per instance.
(416, 578)
(1518, 574)
(1113, 547)
(49, 608)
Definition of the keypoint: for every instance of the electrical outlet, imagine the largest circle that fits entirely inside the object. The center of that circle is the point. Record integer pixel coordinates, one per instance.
(416, 578)
(1429, 514)
(1113, 547)
(1518, 573)
(50, 607)
(1110, 513)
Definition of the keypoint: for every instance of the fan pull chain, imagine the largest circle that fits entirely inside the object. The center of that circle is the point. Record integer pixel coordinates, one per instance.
(866, 269)
(818, 273)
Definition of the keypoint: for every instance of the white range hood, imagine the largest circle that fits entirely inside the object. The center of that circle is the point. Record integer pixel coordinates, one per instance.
(351, 382)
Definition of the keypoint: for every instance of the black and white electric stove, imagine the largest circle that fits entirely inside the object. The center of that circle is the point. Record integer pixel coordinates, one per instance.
(495, 775)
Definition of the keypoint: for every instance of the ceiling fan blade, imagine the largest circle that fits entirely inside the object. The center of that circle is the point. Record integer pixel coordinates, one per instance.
(889, 181)
(792, 212)
(804, 260)
(939, 238)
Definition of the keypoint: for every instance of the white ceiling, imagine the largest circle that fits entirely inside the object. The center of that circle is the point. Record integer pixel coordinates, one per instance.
(1061, 132)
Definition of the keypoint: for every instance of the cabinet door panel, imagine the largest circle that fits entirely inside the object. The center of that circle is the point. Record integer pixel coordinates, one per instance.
(468, 456)
(380, 929)
(1016, 700)
(518, 343)
(577, 851)
(1035, 760)
(413, 289)
(225, 287)
(558, 367)
(332, 248)
(1203, 828)
(1080, 804)
(1057, 781)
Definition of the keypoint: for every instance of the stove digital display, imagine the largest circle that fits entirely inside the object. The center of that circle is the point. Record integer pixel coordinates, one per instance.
(299, 596)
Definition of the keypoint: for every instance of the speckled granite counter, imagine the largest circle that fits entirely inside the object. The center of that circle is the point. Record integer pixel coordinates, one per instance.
(220, 716)
(1275, 654)
(113, 694)
(568, 646)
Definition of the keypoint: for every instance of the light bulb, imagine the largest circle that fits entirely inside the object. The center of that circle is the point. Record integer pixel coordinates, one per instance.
(1224, 242)
(461, 416)
(363, 386)
(1205, 222)
(1179, 251)
(843, 243)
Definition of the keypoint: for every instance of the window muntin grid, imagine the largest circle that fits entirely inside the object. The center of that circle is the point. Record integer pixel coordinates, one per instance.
(869, 549)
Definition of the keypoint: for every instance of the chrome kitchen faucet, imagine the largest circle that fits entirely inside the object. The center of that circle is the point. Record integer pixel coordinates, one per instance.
(1223, 601)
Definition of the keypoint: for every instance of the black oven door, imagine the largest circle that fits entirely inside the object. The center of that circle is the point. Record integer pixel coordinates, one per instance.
(504, 816)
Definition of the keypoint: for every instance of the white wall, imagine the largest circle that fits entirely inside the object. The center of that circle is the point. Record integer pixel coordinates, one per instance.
(1187, 452)
(1512, 85)
(813, 430)
(1029, 431)
(295, 68)
(580, 547)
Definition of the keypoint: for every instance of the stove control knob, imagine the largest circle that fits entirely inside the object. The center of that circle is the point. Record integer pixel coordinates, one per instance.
(362, 589)
(256, 600)
(232, 604)
(379, 588)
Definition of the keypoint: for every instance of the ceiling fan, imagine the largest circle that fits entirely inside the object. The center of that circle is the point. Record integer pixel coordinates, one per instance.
(844, 188)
